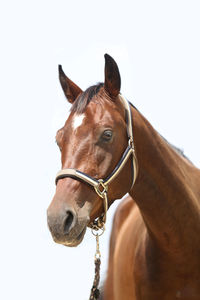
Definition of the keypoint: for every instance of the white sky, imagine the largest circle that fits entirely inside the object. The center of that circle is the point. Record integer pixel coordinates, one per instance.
(157, 47)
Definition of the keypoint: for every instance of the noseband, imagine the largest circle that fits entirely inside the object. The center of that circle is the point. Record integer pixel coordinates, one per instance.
(101, 185)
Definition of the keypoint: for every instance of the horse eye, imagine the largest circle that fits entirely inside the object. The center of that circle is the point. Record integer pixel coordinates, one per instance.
(107, 135)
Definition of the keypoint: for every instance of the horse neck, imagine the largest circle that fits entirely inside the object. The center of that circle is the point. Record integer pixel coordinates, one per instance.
(166, 188)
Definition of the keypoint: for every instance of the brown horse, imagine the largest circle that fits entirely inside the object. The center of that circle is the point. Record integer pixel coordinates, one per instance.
(155, 246)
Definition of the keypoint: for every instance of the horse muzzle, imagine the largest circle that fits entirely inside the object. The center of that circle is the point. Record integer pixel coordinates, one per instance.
(66, 227)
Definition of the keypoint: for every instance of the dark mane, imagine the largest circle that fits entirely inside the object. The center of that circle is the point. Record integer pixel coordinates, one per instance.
(178, 150)
(83, 99)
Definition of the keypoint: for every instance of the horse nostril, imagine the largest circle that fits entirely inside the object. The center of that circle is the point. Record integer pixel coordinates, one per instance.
(68, 222)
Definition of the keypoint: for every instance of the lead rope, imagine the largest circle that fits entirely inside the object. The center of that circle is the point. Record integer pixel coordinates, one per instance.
(95, 293)
(98, 228)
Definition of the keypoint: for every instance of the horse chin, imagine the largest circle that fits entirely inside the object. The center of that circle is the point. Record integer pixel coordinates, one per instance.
(75, 241)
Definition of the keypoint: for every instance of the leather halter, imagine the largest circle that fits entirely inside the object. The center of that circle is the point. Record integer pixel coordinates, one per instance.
(101, 185)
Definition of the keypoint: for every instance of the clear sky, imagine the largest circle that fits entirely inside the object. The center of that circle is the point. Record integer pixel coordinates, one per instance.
(157, 47)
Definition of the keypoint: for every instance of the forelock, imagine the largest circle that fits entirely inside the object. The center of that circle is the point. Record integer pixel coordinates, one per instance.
(80, 104)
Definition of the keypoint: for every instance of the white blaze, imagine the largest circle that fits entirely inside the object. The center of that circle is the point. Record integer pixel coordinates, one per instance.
(78, 120)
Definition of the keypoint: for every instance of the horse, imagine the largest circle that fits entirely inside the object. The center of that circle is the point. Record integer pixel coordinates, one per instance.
(155, 246)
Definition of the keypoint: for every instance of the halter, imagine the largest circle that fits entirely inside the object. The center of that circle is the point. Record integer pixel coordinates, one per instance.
(101, 185)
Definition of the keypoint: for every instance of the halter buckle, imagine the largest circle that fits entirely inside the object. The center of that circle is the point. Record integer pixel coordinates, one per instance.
(131, 143)
(101, 188)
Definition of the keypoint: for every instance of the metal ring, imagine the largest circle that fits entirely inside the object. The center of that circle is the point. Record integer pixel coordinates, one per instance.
(95, 233)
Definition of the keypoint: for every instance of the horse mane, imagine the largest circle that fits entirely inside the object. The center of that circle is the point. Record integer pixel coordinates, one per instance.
(178, 150)
(80, 104)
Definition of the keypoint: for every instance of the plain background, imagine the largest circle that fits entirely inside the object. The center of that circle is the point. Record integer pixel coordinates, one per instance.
(157, 47)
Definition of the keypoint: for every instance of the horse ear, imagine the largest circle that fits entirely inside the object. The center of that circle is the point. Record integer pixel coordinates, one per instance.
(112, 82)
(70, 89)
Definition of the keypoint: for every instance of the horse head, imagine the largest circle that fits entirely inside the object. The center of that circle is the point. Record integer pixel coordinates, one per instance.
(92, 141)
